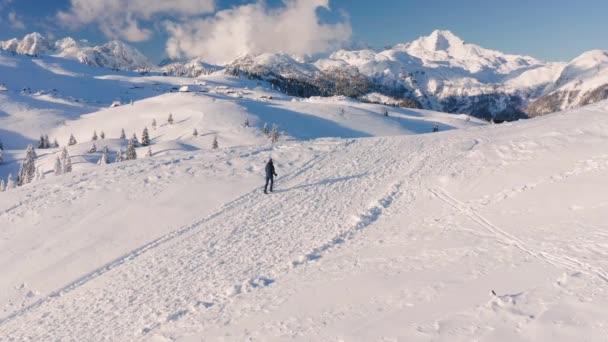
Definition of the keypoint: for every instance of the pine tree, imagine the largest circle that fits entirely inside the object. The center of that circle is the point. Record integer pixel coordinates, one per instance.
(66, 161)
(135, 141)
(1, 159)
(123, 136)
(145, 137)
(58, 167)
(72, 140)
(105, 156)
(119, 156)
(131, 153)
(266, 130)
(1, 145)
(10, 183)
(195, 133)
(275, 134)
(102, 135)
(149, 153)
(55, 143)
(47, 141)
(93, 148)
(94, 136)
(27, 171)
(385, 112)
(2, 185)
(154, 124)
(41, 142)
(246, 123)
(170, 119)
(215, 145)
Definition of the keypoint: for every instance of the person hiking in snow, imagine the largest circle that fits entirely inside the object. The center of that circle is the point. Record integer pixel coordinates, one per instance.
(270, 173)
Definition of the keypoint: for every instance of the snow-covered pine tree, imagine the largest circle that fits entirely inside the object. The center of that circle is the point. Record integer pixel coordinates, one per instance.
(102, 135)
(93, 148)
(135, 140)
(2, 185)
(58, 169)
(195, 133)
(1, 159)
(170, 119)
(266, 130)
(149, 153)
(123, 136)
(47, 141)
(145, 137)
(27, 172)
(41, 142)
(274, 136)
(105, 156)
(94, 137)
(215, 144)
(154, 124)
(72, 140)
(10, 182)
(119, 156)
(55, 143)
(131, 153)
(66, 161)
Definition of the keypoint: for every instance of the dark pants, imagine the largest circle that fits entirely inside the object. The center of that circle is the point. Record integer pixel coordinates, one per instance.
(271, 180)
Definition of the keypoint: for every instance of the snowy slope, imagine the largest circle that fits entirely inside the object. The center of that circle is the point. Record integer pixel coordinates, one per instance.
(384, 238)
(59, 97)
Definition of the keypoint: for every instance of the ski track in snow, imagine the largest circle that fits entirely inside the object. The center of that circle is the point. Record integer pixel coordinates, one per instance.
(180, 273)
(503, 236)
(131, 256)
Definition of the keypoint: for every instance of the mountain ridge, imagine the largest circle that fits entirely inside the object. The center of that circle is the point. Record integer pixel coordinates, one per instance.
(439, 72)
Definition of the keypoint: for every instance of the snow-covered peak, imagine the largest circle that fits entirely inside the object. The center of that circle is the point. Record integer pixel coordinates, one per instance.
(439, 40)
(193, 68)
(278, 63)
(114, 55)
(32, 44)
(584, 68)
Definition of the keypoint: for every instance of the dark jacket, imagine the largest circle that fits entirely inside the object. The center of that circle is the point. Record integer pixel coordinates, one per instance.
(270, 170)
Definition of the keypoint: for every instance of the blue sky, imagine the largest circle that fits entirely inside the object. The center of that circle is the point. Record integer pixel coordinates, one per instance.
(546, 29)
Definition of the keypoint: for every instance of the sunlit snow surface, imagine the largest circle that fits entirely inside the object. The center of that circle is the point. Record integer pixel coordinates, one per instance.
(371, 234)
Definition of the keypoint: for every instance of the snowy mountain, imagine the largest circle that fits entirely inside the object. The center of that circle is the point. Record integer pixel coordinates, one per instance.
(441, 72)
(113, 55)
(581, 82)
(61, 97)
(193, 68)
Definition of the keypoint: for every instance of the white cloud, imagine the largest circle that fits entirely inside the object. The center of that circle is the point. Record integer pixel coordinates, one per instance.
(122, 18)
(15, 22)
(254, 28)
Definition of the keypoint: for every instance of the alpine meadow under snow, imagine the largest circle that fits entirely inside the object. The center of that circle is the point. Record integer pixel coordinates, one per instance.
(136, 211)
